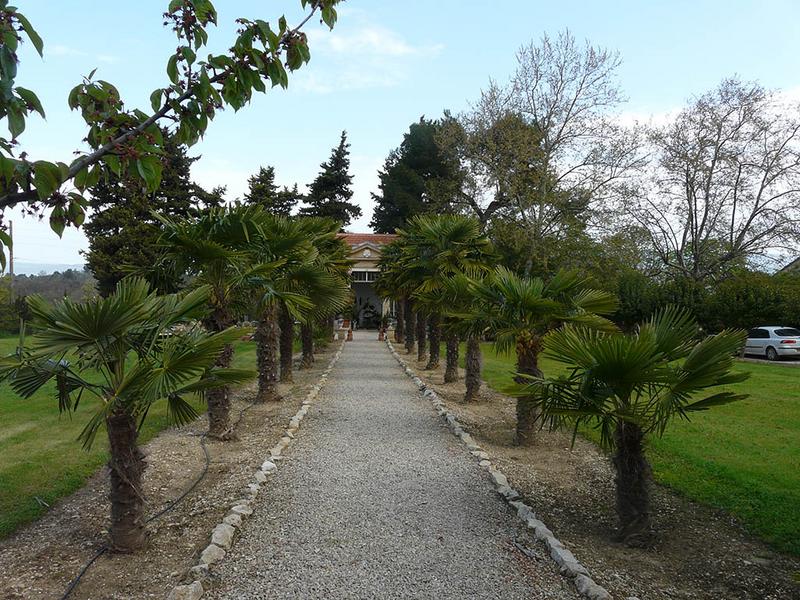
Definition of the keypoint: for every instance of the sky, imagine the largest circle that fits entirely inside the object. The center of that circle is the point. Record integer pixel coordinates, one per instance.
(385, 64)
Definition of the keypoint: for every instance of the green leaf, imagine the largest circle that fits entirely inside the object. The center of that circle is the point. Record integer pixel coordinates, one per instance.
(8, 63)
(149, 168)
(31, 99)
(172, 68)
(155, 99)
(188, 54)
(46, 178)
(32, 35)
(57, 221)
(72, 99)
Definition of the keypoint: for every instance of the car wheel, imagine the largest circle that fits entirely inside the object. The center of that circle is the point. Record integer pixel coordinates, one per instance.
(772, 354)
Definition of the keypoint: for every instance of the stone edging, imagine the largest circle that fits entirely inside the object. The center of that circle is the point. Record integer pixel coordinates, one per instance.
(565, 560)
(223, 534)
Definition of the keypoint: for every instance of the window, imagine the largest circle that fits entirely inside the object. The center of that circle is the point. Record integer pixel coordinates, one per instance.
(758, 334)
(788, 332)
(364, 276)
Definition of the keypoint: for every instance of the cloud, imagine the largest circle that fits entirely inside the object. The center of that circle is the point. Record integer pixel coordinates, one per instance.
(371, 40)
(62, 50)
(360, 55)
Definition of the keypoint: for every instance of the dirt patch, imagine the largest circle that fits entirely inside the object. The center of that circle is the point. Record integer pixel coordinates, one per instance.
(699, 553)
(42, 558)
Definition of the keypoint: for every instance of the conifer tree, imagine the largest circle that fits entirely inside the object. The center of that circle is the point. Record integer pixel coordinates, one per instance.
(265, 193)
(122, 231)
(330, 193)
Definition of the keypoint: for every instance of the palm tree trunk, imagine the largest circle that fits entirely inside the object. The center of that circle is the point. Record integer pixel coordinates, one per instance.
(307, 337)
(434, 338)
(330, 327)
(218, 399)
(529, 345)
(421, 322)
(267, 355)
(287, 344)
(451, 358)
(633, 484)
(399, 333)
(472, 364)
(219, 402)
(127, 497)
(411, 326)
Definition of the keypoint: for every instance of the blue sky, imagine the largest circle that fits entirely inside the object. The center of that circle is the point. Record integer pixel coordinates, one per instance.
(386, 63)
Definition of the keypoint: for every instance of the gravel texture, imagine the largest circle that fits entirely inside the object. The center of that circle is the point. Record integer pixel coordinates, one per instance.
(375, 499)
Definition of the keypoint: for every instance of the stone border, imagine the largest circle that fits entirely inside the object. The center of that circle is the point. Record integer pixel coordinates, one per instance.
(566, 561)
(222, 536)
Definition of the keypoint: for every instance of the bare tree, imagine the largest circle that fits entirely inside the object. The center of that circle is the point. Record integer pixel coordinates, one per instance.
(546, 147)
(723, 187)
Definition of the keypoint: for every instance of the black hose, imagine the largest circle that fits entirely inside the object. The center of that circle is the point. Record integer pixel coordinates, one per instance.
(74, 583)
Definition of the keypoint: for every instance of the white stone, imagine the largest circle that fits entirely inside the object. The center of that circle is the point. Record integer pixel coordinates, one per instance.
(222, 535)
(242, 509)
(587, 587)
(212, 554)
(233, 519)
(259, 476)
(499, 479)
(288, 433)
(193, 591)
(485, 464)
(480, 454)
(268, 466)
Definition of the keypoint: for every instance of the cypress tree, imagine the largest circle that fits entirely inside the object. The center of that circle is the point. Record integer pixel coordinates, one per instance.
(330, 193)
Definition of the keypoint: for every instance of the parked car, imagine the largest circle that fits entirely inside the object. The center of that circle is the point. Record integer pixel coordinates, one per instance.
(773, 341)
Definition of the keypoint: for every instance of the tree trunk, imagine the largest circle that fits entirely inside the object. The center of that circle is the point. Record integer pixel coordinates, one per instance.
(307, 337)
(633, 484)
(411, 326)
(287, 344)
(219, 401)
(451, 358)
(330, 327)
(434, 338)
(529, 345)
(472, 363)
(267, 355)
(127, 497)
(421, 323)
(399, 333)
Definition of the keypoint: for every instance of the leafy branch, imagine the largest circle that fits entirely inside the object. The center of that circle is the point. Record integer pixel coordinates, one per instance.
(129, 142)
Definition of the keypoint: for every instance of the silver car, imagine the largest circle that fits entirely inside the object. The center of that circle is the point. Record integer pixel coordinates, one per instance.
(773, 342)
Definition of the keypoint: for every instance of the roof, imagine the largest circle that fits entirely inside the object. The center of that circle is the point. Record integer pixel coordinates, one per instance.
(379, 239)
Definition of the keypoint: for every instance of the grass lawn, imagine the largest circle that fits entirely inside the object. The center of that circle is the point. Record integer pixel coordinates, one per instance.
(743, 457)
(39, 455)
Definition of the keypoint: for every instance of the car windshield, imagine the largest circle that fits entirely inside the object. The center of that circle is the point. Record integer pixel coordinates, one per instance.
(789, 331)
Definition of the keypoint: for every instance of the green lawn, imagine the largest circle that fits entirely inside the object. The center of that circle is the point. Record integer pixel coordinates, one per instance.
(743, 457)
(39, 457)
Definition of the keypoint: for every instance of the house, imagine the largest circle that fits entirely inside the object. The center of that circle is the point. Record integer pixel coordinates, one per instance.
(365, 252)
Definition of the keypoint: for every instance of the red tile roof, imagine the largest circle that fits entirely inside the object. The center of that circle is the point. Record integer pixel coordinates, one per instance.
(354, 239)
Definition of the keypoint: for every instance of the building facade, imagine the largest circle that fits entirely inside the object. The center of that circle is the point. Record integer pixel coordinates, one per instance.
(365, 252)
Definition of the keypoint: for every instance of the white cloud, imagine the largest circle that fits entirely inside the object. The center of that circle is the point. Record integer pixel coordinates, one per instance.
(360, 55)
(62, 50)
(372, 40)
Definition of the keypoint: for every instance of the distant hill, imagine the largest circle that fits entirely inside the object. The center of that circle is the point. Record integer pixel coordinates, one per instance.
(22, 267)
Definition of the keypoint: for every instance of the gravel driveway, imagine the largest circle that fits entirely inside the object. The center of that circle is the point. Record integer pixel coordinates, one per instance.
(376, 500)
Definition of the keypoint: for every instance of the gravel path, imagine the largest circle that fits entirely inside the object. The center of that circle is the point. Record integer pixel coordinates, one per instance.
(376, 500)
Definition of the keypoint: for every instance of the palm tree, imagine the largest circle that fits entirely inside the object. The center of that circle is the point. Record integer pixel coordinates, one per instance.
(518, 311)
(129, 350)
(304, 285)
(210, 249)
(434, 248)
(457, 297)
(632, 386)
